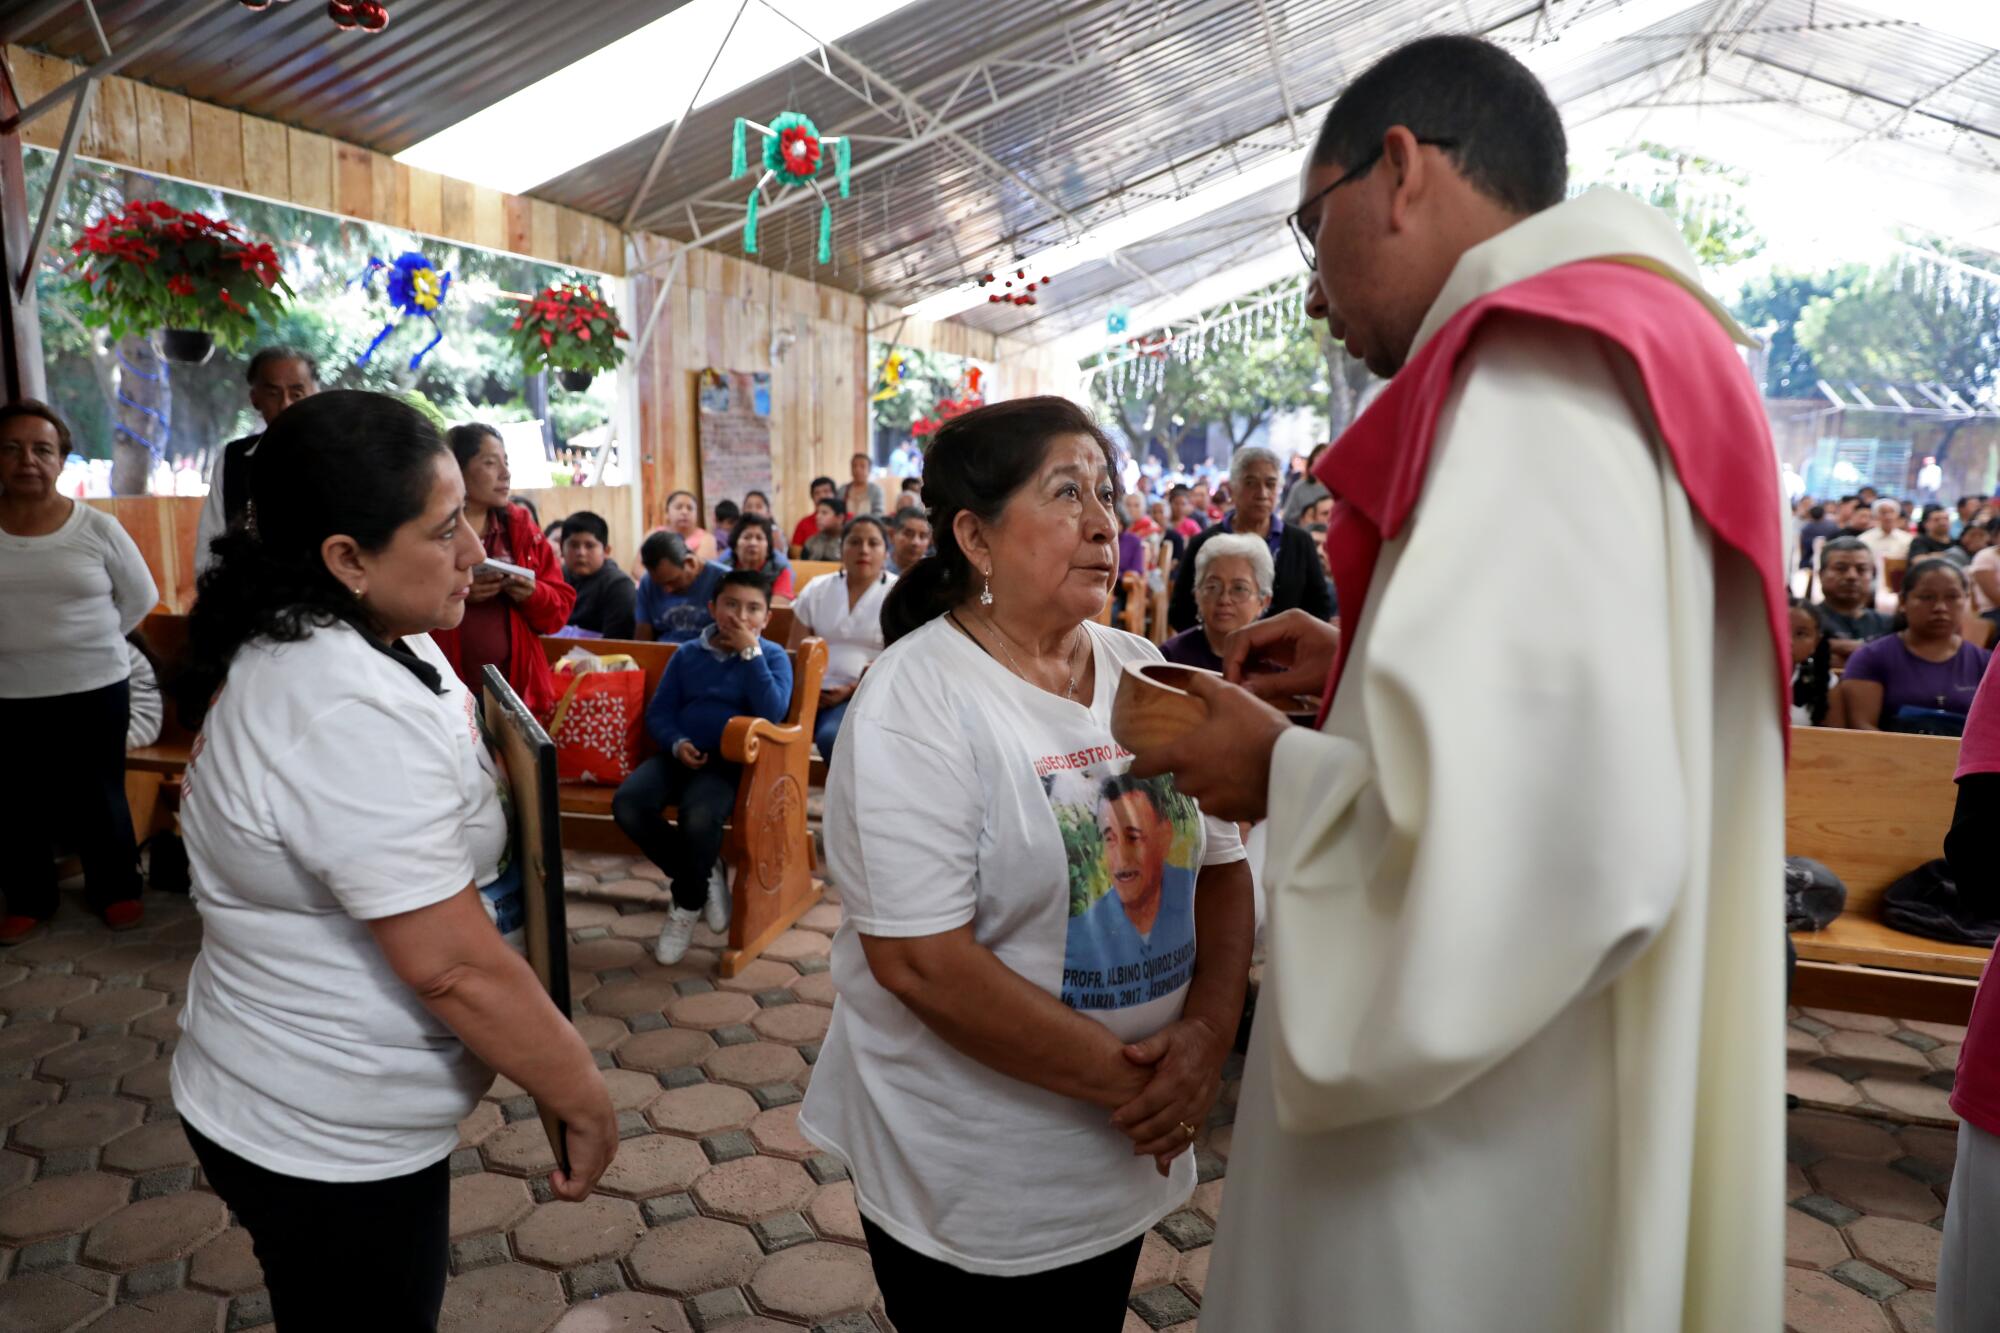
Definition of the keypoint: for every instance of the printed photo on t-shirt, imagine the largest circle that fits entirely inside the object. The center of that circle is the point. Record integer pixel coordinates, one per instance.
(1133, 848)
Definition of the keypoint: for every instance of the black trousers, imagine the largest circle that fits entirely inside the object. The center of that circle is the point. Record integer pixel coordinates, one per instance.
(67, 776)
(926, 1295)
(340, 1257)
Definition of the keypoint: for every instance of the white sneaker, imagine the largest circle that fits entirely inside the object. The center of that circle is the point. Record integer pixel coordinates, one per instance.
(672, 946)
(718, 900)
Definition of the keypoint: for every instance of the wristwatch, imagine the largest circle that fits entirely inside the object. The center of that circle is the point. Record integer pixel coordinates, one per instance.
(753, 652)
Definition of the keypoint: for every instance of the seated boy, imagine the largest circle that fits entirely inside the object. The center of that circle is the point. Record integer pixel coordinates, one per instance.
(729, 671)
(604, 592)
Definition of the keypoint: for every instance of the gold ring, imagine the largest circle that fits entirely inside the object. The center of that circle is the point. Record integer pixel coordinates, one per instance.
(1188, 1130)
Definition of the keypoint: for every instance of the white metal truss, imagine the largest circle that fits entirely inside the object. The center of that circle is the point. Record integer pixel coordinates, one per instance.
(941, 110)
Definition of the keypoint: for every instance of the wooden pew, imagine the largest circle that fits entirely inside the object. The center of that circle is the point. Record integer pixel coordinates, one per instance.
(767, 848)
(1873, 806)
(1136, 597)
(804, 572)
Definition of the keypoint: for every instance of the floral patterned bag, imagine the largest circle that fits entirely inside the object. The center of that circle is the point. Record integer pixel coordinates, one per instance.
(596, 722)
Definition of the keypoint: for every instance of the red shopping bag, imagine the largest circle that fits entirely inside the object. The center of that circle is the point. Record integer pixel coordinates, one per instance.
(596, 722)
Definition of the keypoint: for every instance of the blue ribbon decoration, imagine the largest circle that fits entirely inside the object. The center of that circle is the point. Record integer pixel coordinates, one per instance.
(415, 287)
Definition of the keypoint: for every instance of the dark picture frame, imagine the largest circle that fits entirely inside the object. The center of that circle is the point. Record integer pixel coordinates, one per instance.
(529, 757)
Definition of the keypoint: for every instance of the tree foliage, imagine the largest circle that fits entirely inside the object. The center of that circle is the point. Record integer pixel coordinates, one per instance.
(1235, 385)
(1702, 195)
(1905, 321)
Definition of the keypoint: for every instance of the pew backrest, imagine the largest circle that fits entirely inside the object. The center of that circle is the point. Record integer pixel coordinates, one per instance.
(1871, 805)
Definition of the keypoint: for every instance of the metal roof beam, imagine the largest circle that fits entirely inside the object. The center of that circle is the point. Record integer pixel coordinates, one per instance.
(1126, 41)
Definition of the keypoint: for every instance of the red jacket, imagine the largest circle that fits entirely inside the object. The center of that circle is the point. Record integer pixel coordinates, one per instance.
(545, 611)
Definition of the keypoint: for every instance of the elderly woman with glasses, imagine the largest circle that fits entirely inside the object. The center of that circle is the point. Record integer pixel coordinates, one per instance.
(1298, 577)
(1232, 588)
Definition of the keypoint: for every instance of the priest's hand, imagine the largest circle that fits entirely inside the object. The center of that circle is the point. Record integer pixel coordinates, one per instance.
(1186, 1059)
(1225, 763)
(1299, 643)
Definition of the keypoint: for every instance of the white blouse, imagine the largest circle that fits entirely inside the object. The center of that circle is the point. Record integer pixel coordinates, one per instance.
(853, 635)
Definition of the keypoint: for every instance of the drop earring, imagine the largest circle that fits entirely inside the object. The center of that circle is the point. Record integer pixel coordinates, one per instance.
(986, 589)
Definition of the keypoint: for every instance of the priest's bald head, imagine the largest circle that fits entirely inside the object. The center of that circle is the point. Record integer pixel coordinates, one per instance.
(1440, 145)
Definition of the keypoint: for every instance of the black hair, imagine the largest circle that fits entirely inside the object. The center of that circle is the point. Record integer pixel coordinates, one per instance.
(759, 494)
(868, 520)
(1179, 488)
(832, 500)
(1816, 512)
(1315, 527)
(528, 504)
(266, 355)
(662, 545)
(726, 511)
(35, 407)
(583, 521)
(902, 518)
(864, 458)
(1924, 516)
(913, 484)
(675, 495)
(1508, 135)
(744, 578)
(1850, 499)
(1812, 679)
(1124, 784)
(1833, 544)
(342, 462)
(818, 482)
(757, 522)
(465, 440)
(974, 465)
(1928, 565)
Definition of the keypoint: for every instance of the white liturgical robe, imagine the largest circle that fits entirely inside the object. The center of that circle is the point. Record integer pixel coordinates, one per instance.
(1517, 1064)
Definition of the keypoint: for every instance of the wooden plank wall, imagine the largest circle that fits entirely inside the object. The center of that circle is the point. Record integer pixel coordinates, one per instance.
(134, 124)
(162, 526)
(723, 312)
(613, 504)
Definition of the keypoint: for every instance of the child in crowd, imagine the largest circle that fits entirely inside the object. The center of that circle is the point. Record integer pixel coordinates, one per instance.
(726, 514)
(1812, 668)
(824, 544)
(729, 671)
(604, 592)
(674, 597)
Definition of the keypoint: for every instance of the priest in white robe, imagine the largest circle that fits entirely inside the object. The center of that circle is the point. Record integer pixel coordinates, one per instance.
(1518, 1059)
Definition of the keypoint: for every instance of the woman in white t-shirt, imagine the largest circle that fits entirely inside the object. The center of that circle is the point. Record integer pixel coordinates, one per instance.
(72, 586)
(1026, 1041)
(845, 609)
(352, 997)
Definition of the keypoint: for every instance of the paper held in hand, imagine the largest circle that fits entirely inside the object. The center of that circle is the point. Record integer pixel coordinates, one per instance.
(491, 566)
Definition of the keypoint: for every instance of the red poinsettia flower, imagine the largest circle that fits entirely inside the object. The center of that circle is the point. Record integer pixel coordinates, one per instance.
(801, 150)
(181, 285)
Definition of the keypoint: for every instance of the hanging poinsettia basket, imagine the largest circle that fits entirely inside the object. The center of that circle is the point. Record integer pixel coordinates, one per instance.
(568, 327)
(151, 266)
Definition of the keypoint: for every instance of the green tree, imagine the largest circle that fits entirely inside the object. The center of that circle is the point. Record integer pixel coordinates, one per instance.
(1703, 195)
(1907, 321)
(1235, 384)
(1770, 307)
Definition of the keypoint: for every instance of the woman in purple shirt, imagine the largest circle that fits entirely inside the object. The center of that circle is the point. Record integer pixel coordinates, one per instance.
(1923, 677)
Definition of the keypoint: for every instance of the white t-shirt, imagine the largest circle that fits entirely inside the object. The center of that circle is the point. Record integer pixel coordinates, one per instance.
(853, 637)
(960, 793)
(329, 787)
(148, 712)
(1893, 545)
(67, 601)
(1986, 562)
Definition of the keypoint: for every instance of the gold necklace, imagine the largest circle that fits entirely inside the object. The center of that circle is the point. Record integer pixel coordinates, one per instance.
(1069, 692)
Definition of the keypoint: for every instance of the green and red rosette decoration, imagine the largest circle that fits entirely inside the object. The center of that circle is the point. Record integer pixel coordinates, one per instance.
(568, 326)
(794, 154)
(153, 266)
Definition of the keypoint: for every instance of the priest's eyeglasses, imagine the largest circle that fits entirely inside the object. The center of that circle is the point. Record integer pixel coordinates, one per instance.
(1295, 221)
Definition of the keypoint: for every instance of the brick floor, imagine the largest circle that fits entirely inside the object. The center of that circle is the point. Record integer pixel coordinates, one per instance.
(717, 1213)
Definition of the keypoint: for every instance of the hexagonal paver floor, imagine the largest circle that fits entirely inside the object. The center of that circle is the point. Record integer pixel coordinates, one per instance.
(718, 1213)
